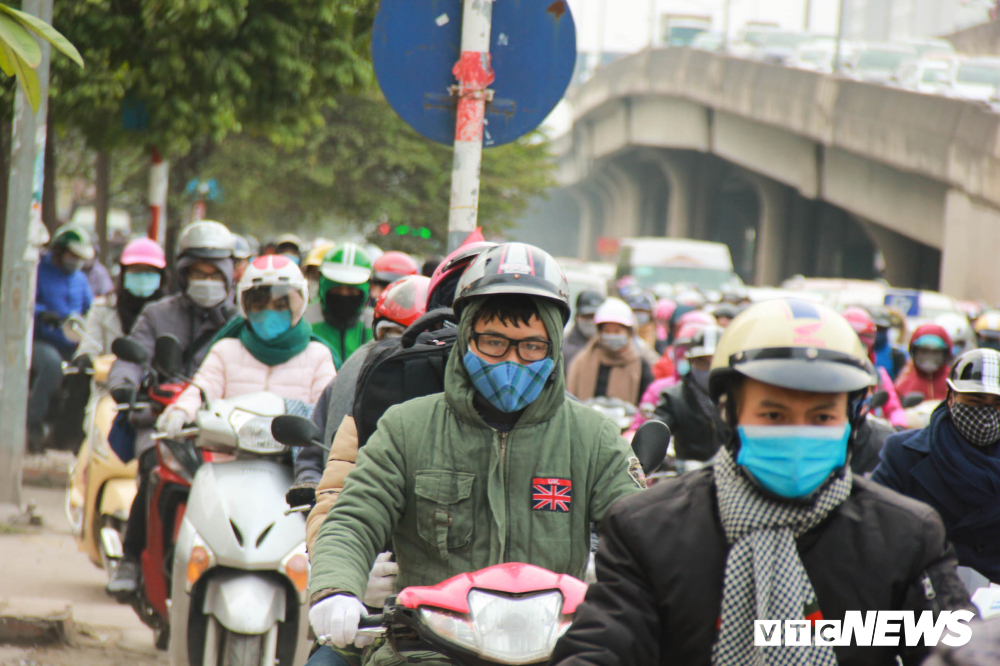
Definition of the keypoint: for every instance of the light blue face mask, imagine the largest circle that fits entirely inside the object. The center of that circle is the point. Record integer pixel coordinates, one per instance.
(269, 324)
(683, 367)
(508, 385)
(792, 461)
(142, 285)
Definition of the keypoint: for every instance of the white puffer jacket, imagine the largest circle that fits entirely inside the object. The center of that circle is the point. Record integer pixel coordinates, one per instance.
(230, 370)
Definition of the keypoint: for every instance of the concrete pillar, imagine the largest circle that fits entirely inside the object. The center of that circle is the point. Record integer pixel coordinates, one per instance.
(707, 173)
(901, 254)
(625, 194)
(772, 236)
(969, 266)
(585, 236)
(678, 172)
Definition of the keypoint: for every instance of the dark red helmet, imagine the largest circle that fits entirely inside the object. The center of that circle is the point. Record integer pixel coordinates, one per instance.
(393, 265)
(404, 301)
(449, 270)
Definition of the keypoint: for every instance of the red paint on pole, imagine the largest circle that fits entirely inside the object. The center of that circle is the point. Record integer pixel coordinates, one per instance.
(153, 231)
(474, 74)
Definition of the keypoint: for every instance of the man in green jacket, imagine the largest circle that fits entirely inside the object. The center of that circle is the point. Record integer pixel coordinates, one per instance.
(467, 479)
(343, 292)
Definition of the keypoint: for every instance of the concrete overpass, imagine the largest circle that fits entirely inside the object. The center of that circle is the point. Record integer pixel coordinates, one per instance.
(798, 172)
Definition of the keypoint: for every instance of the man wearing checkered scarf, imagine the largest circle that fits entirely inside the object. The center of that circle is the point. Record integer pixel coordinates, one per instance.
(778, 529)
(954, 463)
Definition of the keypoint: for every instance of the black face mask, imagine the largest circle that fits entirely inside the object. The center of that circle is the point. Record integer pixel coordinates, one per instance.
(339, 311)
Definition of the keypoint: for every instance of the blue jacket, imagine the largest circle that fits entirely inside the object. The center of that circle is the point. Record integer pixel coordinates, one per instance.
(62, 294)
(908, 468)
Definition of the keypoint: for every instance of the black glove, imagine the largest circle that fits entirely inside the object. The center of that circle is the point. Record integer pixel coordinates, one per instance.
(301, 494)
(50, 318)
(83, 362)
(123, 395)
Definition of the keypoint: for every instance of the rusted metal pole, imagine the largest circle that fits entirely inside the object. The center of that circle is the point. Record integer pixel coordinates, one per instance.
(474, 73)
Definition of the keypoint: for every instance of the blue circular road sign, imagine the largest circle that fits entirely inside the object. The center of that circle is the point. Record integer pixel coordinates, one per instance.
(415, 44)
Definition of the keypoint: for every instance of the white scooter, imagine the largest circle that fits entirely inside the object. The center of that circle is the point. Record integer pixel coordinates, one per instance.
(240, 569)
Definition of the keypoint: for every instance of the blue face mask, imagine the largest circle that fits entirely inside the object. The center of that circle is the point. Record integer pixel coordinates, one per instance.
(683, 367)
(142, 285)
(294, 258)
(792, 461)
(508, 385)
(269, 324)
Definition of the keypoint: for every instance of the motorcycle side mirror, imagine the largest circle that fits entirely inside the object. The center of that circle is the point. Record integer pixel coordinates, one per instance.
(650, 445)
(129, 350)
(912, 400)
(879, 400)
(168, 355)
(295, 431)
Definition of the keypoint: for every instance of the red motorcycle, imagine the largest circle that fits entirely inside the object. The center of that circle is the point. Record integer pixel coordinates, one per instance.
(505, 614)
(177, 461)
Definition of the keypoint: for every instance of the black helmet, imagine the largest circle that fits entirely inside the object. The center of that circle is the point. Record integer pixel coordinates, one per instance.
(638, 299)
(514, 268)
(726, 310)
(588, 301)
(976, 371)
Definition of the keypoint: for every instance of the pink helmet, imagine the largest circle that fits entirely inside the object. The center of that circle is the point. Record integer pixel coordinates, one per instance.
(697, 317)
(664, 309)
(144, 251)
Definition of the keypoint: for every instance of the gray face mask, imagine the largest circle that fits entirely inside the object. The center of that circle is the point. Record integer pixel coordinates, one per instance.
(614, 341)
(587, 328)
(206, 293)
(72, 265)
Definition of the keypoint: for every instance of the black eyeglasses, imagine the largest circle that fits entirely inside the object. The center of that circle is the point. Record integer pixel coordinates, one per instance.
(497, 346)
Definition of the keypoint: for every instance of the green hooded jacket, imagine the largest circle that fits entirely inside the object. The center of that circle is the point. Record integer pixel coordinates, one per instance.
(456, 496)
(343, 342)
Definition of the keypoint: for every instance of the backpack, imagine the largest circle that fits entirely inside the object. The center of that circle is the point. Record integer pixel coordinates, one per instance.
(404, 368)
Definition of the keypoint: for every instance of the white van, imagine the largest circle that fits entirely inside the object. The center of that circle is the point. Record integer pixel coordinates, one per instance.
(676, 260)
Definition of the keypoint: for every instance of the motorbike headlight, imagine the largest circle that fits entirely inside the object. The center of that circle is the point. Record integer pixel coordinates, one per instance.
(504, 629)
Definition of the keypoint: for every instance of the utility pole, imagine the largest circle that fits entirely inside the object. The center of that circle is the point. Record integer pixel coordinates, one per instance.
(23, 235)
(727, 10)
(838, 64)
(474, 74)
(805, 20)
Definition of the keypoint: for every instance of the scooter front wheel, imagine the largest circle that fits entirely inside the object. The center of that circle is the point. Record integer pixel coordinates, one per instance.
(243, 649)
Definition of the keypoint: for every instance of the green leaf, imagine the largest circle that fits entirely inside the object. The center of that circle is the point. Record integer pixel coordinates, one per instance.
(46, 32)
(5, 65)
(26, 75)
(20, 41)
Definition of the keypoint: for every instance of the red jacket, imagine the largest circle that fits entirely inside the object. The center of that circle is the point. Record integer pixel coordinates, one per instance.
(914, 380)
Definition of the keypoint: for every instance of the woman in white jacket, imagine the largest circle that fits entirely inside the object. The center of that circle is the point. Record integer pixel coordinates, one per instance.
(269, 348)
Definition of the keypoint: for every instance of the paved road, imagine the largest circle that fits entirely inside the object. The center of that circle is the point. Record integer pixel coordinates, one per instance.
(43, 565)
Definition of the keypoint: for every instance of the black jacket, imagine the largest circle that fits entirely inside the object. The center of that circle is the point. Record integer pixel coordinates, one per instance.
(868, 443)
(662, 557)
(697, 435)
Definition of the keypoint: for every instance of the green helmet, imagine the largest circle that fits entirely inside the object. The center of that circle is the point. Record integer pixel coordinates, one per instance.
(75, 239)
(346, 264)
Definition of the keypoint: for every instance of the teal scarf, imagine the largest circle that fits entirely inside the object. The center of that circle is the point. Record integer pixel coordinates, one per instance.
(272, 352)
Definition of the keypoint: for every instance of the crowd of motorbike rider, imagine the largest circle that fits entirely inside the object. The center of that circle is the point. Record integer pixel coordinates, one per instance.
(804, 435)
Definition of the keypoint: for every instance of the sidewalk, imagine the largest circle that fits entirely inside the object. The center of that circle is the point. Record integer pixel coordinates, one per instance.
(43, 572)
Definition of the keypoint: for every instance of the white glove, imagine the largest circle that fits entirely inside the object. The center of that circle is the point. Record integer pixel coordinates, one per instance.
(335, 620)
(381, 581)
(171, 422)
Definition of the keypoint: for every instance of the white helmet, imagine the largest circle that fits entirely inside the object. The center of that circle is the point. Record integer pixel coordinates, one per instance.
(615, 311)
(271, 277)
(963, 338)
(704, 342)
(206, 240)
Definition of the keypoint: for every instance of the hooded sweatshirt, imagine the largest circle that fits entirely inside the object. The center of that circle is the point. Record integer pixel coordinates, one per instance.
(915, 380)
(436, 456)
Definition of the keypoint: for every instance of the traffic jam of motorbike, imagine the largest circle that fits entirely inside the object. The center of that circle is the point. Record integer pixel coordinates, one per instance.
(366, 460)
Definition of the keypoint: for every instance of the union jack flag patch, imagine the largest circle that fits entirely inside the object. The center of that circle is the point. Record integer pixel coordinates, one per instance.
(551, 495)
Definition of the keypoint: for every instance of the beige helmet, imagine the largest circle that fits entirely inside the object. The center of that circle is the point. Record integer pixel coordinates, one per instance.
(795, 345)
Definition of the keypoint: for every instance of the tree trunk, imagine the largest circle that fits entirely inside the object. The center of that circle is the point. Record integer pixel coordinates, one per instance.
(50, 212)
(5, 145)
(101, 203)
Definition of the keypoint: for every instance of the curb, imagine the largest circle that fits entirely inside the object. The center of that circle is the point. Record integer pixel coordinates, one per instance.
(29, 622)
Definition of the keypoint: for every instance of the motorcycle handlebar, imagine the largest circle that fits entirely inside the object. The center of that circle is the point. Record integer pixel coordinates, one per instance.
(371, 621)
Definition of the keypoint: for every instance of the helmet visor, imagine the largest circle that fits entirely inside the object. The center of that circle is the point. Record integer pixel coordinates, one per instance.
(273, 297)
(805, 369)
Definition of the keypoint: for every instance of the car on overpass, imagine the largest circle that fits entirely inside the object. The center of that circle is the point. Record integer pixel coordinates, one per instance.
(816, 54)
(652, 260)
(878, 63)
(932, 76)
(977, 78)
